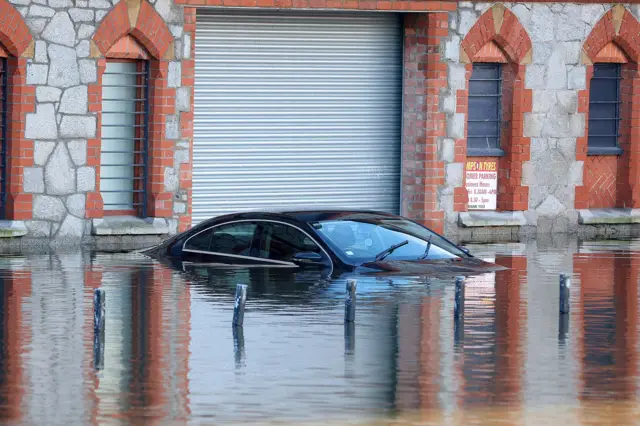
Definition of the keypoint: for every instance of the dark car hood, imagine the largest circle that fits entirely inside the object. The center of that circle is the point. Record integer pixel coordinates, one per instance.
(437, 268)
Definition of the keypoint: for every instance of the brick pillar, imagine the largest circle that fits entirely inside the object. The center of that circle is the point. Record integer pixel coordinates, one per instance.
(424, 76)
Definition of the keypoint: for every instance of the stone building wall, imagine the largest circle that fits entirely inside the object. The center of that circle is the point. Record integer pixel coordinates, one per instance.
(555, 74)
(61, 133)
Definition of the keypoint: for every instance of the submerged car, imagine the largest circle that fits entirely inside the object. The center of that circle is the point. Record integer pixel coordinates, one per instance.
(340, 241)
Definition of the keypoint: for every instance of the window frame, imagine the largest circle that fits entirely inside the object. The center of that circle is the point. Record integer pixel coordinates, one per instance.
(606, 150)
(140, 165)
(262, 259)
(496, 151)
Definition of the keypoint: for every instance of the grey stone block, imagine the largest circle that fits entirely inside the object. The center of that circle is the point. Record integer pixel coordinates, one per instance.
(85, 31)
(568, 99)
(174, 76)
(179, 208)
(47, 207)
(591, 13)
(37, 73)
(41, 52)
(74, 101)
(467, 19)
(41, 152)
(183, 98)
(452, 49)
(557, 70)
(448, 150)
(455, 126)
(36, 25)
(551, 206)
(76, 204)
(171, 182)
(33, 180)
(78, 152)
(38, 228)
(457, 77)
(608, 216)
(78, 127)
(60, 174)
(533, 124)
(486, 218)
(81, 15)
(535, 77)
(41, 124)
(60, 30)
(577, 78)
(454, 175)
(64, 67)
(100, 14)
(176, 30)
(72, 227)
(172, 129)
(83, 49)
(88, 71)
(99, 4)
(86, 179)
(59, 4)
(542, 24)
(41, 11)
(186, 46)
(129, 225)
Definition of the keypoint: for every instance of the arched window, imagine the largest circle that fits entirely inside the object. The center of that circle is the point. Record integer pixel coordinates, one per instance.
(124, 142)
(609, 148)
(496, 51)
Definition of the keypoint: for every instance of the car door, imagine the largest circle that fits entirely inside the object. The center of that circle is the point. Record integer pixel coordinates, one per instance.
(234, 243)
(281, 242)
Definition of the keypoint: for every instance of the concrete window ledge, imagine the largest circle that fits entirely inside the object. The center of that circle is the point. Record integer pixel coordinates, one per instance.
(608, 216)
(129, 225)
(12, 228)
(477, 219)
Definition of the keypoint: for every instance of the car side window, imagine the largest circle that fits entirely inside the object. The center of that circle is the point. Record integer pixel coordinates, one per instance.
(199, 241)
(281, 242)
(234, 238)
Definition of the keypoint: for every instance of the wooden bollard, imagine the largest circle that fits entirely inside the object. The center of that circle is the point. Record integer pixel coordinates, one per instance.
(350, 301)
(238, 345)
(99, 309)
(458, 307)
(349, 337)
(98, 350)
(238, 308)
(565, 292)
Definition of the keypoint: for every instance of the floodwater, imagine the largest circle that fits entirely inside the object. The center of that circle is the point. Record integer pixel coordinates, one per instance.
(171, 356)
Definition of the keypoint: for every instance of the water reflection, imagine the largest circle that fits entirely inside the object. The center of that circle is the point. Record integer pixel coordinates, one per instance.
(169, 353)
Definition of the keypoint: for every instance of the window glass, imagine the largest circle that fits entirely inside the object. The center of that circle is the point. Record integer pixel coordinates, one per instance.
(235, 238)
(485, 112)
(282, 242)
(199, 241)
(361, 241)
(604, 106)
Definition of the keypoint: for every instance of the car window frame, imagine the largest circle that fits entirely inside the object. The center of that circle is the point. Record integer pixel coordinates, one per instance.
(303, 232)
(272, 261)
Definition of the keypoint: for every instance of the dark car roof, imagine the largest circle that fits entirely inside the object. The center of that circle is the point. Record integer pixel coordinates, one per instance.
(300, 214)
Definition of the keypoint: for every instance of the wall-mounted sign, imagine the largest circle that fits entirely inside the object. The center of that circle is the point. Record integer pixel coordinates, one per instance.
(482, 184)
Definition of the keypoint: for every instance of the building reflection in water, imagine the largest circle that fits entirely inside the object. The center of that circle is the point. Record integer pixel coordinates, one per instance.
(170, 354)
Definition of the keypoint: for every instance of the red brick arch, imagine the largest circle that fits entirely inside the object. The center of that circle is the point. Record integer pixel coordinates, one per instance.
(612, 180)
(14, 32)
(149, 29)
(500, 26)
(498, 36)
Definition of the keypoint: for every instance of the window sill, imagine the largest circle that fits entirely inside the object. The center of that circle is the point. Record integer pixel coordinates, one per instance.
(12, 228)
(608, 216)
(605, 151)
(485, 152)
(491, 218)
(129, 225)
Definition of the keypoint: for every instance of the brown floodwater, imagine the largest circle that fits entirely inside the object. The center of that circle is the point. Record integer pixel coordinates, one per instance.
(171, 356)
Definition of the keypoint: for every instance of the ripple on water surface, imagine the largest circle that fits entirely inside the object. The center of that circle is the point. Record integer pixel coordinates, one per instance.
(170, 353)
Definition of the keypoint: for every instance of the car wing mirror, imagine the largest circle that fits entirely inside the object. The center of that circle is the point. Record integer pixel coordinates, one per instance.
(307, 257)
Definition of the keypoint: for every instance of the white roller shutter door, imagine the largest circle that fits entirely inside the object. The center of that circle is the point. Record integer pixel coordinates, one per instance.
(296, 109)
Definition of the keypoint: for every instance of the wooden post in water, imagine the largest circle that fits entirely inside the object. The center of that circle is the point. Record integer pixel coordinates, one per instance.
(458, 307)
(238, 346)
(238, 308)
(350, 301)
(565, 286)
(99, 307)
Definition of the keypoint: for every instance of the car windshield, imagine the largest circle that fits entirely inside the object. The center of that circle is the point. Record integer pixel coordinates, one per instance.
(361, 240)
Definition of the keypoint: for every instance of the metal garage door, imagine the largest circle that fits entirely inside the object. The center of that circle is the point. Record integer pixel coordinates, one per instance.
(296, 109)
